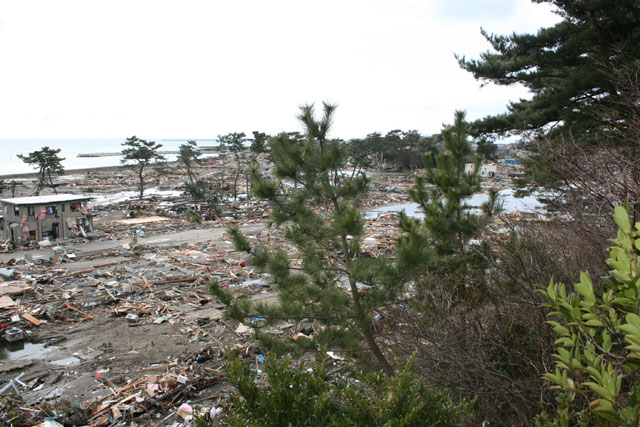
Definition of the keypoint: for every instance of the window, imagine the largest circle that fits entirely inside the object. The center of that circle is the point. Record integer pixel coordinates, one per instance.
(51, 209)
(63, 205)
(16, 210)
(31, 210)
(75, 207)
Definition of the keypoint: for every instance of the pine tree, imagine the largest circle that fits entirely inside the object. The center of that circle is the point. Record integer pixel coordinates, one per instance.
(566, 66)
(449, 221)
(47, 161)
(235, 143)
(487, 149)
(259, 142)
(140, 153)
(258, 146)
(317, 205)
(296, 396)
(189, 156)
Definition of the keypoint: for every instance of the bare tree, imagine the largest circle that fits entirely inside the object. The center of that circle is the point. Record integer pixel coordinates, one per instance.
(588, 179)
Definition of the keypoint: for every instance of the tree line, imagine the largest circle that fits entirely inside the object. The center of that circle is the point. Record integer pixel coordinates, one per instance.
(397, 150)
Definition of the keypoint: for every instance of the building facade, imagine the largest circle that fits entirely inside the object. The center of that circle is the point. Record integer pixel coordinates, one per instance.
(24, 219)
(486, 170)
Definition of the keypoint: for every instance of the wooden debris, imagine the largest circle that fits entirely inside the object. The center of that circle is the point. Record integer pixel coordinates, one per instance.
(31, 319)
(6, 302)
(87, 315)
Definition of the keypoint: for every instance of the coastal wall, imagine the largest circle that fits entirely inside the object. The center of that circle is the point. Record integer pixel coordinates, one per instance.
(66, 172)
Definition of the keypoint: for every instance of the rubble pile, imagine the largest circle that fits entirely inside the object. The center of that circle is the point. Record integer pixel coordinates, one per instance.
(118, 317)
(117, 332)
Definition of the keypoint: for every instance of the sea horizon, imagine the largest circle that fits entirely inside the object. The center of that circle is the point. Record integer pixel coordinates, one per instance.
(72, 147)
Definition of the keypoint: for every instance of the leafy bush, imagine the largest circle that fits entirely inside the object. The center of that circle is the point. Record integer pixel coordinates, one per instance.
(598, 349)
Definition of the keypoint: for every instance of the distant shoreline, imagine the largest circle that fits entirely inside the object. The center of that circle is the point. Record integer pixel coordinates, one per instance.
(205, 149)
(27, 175)
(74, 171)
(66, 172)
(74, 152)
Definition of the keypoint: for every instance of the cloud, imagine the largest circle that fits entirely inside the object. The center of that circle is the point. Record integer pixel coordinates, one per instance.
(201, 68)
(476, 10)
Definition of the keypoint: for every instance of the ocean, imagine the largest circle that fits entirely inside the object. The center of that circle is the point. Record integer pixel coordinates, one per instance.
(10, 148)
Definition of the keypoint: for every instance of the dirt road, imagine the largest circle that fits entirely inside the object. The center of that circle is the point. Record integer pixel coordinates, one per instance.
(169, 239)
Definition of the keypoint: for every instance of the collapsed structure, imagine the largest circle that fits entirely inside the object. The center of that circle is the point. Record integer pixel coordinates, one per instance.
(24, 219)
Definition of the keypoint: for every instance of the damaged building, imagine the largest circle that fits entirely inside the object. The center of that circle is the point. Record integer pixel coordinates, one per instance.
(36, 218)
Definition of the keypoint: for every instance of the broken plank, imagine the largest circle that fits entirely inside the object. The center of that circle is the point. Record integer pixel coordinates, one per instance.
(6, 302)
(31, 319)
(174, 281)
(78, 311)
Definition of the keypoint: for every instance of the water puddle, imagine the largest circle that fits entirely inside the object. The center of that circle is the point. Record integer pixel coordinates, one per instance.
(108, 199)
(250, 282)
(67, 361)
(411, 209)
(510, 203)
(22, 350)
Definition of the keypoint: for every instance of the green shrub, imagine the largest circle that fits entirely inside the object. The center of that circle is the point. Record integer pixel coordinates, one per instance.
(194, 217)
(400, 400)
(598, 349)
(305, 397)
(197, 190)
(293, 397)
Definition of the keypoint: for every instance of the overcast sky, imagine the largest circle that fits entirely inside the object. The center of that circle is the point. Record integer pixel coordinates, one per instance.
(197, 69)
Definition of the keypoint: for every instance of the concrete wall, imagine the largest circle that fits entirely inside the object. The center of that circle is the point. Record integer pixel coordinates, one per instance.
(485, 171)
(488, 171)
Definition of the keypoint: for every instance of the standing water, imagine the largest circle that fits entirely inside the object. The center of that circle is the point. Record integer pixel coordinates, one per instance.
(22, 350)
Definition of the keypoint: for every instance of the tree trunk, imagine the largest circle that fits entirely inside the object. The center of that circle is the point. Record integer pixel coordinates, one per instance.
(247, 185)
(365, 325)
(373, 346)
(51, 183)
(141, 177)
(41, 182)
(363, 318)
(235, 184)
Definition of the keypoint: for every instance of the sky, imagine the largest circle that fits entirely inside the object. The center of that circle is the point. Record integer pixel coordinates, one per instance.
(199, 69)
